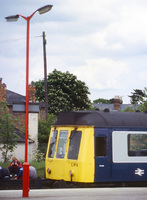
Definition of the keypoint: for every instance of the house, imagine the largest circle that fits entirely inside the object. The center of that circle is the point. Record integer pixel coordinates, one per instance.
(115, 105)
(16, 106)
(19, 152)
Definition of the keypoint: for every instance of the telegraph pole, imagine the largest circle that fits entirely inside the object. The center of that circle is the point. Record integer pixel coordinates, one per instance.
(45, 76)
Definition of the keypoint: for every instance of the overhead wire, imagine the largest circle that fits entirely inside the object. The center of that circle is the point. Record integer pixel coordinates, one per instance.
(18, 39)
(11, 42)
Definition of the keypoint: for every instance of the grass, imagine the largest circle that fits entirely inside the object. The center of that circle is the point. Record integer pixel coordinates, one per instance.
(39, 166)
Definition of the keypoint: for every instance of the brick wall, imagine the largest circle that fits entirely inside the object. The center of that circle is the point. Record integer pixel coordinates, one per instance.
(2, 91)
(117, 102)
(32, 92)
(20, 123)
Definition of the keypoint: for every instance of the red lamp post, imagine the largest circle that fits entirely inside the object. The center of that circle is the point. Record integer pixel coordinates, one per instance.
(41, 10)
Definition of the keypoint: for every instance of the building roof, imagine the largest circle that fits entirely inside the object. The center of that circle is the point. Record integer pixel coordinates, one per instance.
(103, 119)
(21, 136)
(15, 98)
(12, 97)
(102, 106)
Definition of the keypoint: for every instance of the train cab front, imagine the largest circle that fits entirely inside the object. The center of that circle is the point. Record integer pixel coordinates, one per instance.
(70, 154)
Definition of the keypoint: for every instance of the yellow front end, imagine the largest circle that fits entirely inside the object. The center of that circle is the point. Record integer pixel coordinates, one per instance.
(77, 169)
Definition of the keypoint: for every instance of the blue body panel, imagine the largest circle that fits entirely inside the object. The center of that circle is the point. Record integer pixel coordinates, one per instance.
(126, 172)
(107, 171)
(103, 164)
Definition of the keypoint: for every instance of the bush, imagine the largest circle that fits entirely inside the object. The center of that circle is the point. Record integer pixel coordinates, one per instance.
(38, 156)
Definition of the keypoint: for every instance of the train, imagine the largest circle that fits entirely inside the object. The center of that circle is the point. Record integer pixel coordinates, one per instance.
(94, 147)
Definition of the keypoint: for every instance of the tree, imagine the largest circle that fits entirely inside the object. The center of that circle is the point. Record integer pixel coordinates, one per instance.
(7, 132)
(136, 96)
(44, 127)
(143, 101)
(139, 97)
(65, 92)
(101, 100)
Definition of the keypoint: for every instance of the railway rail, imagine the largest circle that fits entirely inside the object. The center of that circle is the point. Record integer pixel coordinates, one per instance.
(38, 183)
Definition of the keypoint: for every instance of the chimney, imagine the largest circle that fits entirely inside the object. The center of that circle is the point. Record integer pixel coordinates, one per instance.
(32, 92)
(2, 91)
(117, 100)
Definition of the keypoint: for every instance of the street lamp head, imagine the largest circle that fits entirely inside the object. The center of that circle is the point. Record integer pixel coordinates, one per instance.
(41, 10)
(44, 9)
(12, 18)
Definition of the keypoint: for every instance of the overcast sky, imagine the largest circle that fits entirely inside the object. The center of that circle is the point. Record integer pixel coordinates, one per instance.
(102, 42)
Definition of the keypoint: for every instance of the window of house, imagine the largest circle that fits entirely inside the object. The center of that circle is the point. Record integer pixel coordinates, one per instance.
(100, 146)
(137, 144)
(52, 144)
(74, 145)
(62, 144)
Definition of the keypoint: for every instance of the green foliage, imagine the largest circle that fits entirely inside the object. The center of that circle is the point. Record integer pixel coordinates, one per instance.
(138, 142)
(40, 91)
(136, 95)
(140, 97)
(93, 108)
(143, 106)
(101, 100)
(44, 127)
(65, 92)
(38, 156)
(7, 132)
(129, 109)
(143, 101)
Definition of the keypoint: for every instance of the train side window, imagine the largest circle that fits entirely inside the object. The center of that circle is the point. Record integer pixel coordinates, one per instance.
(52, 144)
(137, 145)
(101, 146)
(74, 145)
(62, 144)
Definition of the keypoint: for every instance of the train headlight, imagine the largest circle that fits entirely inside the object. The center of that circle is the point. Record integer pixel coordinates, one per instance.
(71, 173)
(49, 171)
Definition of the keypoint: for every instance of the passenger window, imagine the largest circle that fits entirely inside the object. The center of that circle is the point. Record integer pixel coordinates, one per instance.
(74, 145)
(137, 144)
(101, 146)
(62, 144)
(52, 144)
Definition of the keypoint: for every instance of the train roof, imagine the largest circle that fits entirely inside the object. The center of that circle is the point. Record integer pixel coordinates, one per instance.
(102, 119)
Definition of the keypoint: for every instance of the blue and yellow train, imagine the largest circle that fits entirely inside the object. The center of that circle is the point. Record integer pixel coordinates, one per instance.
(98, 147)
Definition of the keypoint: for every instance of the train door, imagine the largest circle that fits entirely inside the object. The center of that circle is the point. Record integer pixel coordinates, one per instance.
(102, 155)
